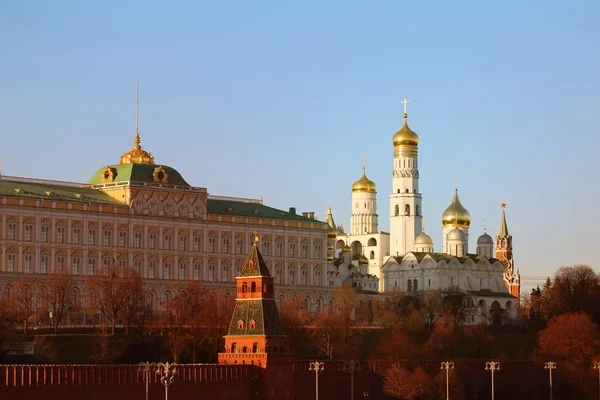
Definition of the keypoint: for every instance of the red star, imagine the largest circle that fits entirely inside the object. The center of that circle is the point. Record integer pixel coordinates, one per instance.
(503, 205)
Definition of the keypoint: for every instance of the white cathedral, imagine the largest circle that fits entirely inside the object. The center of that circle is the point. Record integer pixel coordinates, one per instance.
(405, 258)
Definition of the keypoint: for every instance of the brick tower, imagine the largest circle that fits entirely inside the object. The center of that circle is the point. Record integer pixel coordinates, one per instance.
(504, 253)
(255, 334)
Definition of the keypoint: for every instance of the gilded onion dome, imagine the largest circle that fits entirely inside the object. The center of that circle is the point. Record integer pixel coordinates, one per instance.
(346, 249)
(405, 136)
(364, 184)
(362, 260)
(456, 213)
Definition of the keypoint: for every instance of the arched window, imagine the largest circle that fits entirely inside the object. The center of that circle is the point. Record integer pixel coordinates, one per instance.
(406, 190)
(372, 242)
(255, 347)
(409, 288)
(240, 325)
(397, 210)
(417, 210)
(372, 255)
(234, 348)
(415, 285)
(244, 287)
(253, 287)
(407, 209)
(252, 324)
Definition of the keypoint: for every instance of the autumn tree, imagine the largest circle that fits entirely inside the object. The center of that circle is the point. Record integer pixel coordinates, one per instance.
(111, 292)
(293, 321)
(7, 327)
(335, 329)
(25, 302)
(573, 289)
(135, 300)
(401, 383)
(571, 340)
(215, 315)
(60, 296)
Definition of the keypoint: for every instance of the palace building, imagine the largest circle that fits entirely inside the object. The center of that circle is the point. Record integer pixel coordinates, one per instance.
(142, 214)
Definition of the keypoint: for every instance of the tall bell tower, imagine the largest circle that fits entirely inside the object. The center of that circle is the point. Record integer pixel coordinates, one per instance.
(406, 213)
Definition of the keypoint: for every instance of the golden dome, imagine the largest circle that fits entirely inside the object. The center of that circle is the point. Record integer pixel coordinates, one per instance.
(346, 249)
(137, 155)
(362, 260)
(405, 136)
(364, 184)
(456, 213)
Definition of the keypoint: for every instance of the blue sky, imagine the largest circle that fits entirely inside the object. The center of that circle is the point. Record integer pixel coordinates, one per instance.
(504, 96)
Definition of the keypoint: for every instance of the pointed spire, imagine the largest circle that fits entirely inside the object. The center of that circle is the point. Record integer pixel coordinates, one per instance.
(329, 217)
(364, 165)
(137, 155)
(503, 226)
(255, 264)
(137, 140)
(261, 199)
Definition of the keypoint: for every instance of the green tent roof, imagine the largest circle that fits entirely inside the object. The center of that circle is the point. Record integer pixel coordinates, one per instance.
(48, 191)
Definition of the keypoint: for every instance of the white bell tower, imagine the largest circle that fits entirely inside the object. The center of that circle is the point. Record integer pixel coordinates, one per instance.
(406, 212)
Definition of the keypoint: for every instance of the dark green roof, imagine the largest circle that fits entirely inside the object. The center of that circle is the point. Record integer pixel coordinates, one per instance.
(263, 312)
(250, 209)
(138, 173)
(50, 191)
(255, 265)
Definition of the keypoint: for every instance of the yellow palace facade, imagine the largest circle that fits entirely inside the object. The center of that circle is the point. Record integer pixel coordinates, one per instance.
(144, 215)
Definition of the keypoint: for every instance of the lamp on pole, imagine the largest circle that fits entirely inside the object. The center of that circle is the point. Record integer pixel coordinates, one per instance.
(316, 366)
(492, 366)
(167, 375)
(597, 366)
(550, 365)
(146, 367)
(447, 365)
(351, 366)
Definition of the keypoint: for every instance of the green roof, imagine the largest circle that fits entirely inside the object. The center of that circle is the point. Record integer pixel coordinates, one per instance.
(138, 173)
(255, 265)
(263, 312)
(251, 209)
(50, 191)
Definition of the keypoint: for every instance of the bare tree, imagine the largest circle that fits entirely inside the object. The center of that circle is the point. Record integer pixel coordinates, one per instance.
(25, 302)
(111, 294)
(135, 301)
(60, 296)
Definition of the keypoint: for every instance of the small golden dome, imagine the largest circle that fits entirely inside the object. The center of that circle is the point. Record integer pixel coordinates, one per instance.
(456, 213)
(405, 136)
(346, 249)
(362, 260)
(364, 184)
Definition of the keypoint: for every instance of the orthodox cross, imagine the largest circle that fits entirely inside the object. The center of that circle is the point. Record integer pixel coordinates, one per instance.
(484, 225)
(364, 164)
(405, 102)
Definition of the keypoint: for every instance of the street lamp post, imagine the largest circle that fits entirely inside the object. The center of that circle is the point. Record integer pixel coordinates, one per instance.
(492, 366)
(167, 375)
(447, 365)
(550, 365)
(351, 366)
(316, 366)
(597, 366)
(146, 367)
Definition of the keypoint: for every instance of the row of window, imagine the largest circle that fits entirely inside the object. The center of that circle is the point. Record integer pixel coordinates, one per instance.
(152, 272)
(167, 242)
(407, 210)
